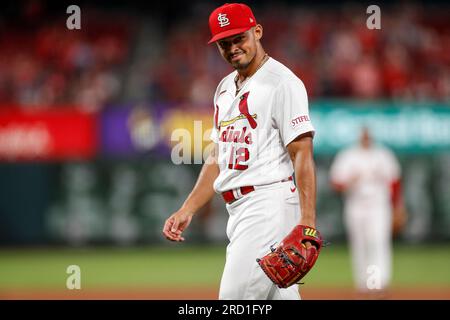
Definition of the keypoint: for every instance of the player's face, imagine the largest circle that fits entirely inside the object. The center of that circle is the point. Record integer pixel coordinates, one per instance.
(239, 50)
(365, 138)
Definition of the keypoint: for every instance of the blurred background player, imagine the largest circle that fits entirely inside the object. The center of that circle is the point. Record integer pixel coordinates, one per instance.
(369, 176)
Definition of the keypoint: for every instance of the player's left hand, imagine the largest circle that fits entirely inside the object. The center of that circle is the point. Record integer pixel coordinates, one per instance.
(309, 245)
(308, 223)
(399, 219)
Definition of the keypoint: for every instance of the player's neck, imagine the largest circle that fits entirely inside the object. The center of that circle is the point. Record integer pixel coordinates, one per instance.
(366, 145)
(258, 61)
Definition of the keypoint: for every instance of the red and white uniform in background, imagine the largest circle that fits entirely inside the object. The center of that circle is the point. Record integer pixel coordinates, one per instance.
(252, 130)
(367, 176)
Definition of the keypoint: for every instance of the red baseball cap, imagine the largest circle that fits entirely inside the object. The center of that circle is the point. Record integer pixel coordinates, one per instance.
(229, 20)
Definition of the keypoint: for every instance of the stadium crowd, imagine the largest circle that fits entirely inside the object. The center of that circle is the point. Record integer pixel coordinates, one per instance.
(43, 63)
(331, 50)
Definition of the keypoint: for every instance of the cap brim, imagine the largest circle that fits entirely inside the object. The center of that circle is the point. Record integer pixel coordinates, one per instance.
(227, 34)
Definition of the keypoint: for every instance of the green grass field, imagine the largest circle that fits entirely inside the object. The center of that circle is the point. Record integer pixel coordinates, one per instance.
(184, 266)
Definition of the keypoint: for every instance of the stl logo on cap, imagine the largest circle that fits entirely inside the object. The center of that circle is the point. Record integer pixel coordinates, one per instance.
(223, 20)
(229, 20)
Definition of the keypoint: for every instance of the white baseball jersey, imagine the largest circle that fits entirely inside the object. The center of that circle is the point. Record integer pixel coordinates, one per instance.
(254, 127)
(368, 172)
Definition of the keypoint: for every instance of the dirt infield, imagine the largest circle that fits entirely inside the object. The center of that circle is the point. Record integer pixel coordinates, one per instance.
(208, 293)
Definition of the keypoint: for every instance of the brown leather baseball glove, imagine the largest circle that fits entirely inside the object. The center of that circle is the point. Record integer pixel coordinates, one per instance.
(292, 260)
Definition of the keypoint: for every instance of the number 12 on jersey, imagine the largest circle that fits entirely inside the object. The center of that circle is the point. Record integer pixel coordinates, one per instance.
(237, 157)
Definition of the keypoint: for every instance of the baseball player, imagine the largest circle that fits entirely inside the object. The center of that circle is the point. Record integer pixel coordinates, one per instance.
(369, 175)
(262, 134)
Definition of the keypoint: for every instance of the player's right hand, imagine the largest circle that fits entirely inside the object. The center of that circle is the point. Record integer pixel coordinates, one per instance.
(176, 224)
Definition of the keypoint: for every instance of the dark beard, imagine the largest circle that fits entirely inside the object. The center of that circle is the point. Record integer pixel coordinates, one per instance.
(240, 66)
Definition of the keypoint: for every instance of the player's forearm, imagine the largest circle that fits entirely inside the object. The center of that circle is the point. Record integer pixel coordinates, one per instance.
(203, 190)
(306, 185)
(305, 177)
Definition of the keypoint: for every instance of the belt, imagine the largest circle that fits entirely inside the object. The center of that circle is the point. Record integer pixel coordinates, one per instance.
(235, 194)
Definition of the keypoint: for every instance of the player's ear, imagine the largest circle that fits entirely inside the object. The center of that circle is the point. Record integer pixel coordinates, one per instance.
(258, 31)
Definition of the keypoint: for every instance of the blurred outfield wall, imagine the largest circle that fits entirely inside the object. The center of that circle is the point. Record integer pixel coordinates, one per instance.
(117, 184)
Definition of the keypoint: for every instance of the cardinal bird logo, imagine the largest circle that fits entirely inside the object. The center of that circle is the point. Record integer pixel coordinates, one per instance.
(245, 114)
(243, 108)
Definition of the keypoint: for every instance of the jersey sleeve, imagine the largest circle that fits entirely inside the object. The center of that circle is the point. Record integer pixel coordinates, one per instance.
(392, 165)
(290, 110)
(214, 136)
